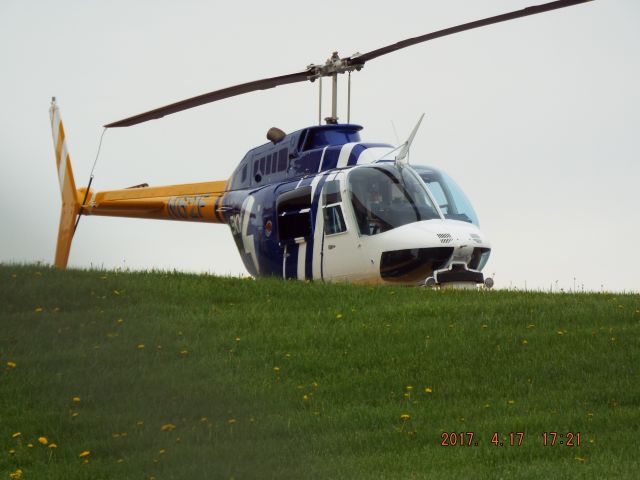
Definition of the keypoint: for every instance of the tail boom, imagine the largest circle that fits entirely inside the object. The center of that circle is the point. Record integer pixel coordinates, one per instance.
(194, 202)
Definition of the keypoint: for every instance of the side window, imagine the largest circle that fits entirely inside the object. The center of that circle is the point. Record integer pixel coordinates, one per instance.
(294, 215)
(332, 209)
(267, 170)
(257, 173)
(244, 174)
(282, 160)
(331, 193)
(334, 220)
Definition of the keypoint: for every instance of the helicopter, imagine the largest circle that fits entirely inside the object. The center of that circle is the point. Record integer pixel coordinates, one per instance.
(318, 203)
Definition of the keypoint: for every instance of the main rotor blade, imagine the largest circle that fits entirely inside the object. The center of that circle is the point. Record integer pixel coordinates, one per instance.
(263, 84)
(533, 10)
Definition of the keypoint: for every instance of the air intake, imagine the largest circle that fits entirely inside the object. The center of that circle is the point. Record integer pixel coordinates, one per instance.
(445, 238)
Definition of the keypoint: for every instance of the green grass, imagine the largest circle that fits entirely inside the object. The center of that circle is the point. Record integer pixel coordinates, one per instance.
(273, 379)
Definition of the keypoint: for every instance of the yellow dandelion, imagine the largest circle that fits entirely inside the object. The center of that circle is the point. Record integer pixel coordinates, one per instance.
(167, 427)
(12, 452)
(511, 402)
(231, 421)
(407, 395)
(140, 346)
(39, 310)
(84, 454)
(120, 321)
(314, 384)
(276, 369)
(16, 435)
(74, 414)
(75, 399)
(305, 397)
(237, 339)
(184, 353)
(525, 342)
(405, 417)
(43, 440)
(53, 446)
(428, 390)
(487, 405)
(162, 451)
(409, 387)
(11, 364)
(17, 475)
(29, 445)
(485, 326)
(560, 332)
(339, 316)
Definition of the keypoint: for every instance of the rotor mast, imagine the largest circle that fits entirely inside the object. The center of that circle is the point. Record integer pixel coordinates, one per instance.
(332, 67)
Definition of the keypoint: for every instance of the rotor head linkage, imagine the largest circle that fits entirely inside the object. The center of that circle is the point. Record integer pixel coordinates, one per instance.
(332, 67)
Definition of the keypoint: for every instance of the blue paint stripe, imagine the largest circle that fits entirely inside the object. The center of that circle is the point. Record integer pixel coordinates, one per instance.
(308, 261)
(291, 265)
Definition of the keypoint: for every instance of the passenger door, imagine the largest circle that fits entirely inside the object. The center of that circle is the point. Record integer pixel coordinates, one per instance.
(341, 248)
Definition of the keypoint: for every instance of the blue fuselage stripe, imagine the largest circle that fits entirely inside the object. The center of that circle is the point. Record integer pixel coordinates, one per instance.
(308, 264)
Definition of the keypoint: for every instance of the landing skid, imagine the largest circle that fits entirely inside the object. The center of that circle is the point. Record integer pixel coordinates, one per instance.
(458, 276)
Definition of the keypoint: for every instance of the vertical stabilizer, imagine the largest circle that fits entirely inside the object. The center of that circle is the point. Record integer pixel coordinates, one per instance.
(70, 201)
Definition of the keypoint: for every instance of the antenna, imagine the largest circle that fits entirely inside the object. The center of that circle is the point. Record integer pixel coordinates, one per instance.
(320, 101)
(404, 151)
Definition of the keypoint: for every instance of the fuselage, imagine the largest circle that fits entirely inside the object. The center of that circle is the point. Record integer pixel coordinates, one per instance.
(346, 211)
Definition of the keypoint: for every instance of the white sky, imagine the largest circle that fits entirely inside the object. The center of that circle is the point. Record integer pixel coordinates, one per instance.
(537, 119)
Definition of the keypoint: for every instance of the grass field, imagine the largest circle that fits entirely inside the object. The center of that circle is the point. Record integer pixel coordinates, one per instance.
(176, 376)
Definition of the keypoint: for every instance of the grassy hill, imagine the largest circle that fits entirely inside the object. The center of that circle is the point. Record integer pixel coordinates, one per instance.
(175, 376)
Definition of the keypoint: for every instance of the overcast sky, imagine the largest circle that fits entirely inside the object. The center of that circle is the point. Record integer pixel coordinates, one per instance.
(537, 119)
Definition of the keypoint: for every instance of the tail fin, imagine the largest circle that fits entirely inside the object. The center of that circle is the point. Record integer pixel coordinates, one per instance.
(70, 199)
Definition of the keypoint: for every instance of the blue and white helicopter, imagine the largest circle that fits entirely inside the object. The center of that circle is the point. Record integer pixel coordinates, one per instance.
(318, 203)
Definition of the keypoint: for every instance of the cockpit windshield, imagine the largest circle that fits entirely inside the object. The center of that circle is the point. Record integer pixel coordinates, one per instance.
(453, 203)
(386, 196)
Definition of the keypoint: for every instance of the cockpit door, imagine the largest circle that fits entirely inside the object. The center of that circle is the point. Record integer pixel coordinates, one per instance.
(341, 248)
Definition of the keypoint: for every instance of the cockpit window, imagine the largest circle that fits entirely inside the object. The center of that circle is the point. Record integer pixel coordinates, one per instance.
(385, 197)
(453, 203)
